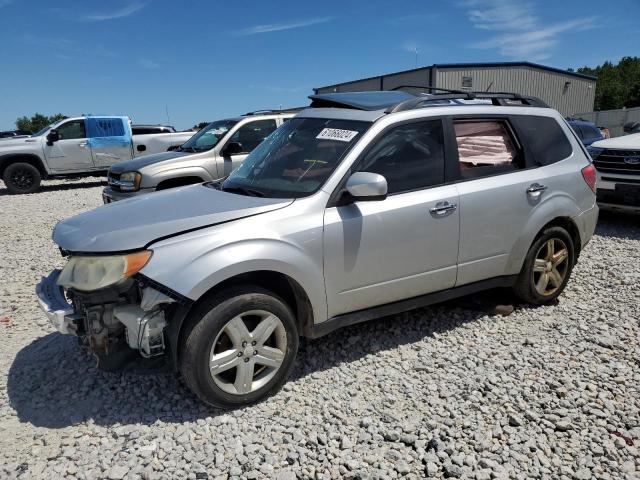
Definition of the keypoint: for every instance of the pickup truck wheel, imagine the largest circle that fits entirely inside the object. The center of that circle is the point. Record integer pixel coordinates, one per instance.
(546, 268)
(21, 178)
(240, 349)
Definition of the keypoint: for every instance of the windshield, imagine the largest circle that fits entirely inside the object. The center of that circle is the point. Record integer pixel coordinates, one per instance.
(208, 137)
(296, 159)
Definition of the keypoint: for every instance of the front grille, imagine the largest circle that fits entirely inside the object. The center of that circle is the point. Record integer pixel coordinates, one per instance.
(112, 179)
(618, 161)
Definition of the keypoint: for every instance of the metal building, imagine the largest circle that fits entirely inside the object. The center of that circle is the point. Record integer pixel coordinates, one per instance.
(567, 92)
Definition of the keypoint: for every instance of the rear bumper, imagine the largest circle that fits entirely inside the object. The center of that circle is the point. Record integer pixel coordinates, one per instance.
(54, 304)
(110, 195)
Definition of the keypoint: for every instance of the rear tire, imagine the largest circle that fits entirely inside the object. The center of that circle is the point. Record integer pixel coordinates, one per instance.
(239, 348)
(547, 267)
(21, 178)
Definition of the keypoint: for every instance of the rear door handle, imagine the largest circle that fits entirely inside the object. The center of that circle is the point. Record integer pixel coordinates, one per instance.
(535, 189)
(442, 209)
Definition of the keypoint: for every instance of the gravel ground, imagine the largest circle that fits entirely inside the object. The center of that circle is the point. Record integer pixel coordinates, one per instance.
(454, 391)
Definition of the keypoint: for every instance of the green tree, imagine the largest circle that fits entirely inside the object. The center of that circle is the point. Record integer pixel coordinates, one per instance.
(618, 85)
(37, 122)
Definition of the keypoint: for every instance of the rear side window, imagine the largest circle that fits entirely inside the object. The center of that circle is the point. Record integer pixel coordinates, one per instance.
(545, 138)
(485, 147)
(409, 157)
(105, 127)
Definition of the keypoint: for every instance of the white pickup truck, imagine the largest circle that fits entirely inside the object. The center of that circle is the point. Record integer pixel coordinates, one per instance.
(74, 147)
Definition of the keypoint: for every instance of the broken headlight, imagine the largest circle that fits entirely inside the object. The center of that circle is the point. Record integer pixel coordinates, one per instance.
(87, 273)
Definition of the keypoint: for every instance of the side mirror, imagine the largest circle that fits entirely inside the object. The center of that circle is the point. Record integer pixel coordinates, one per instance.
(52, 136)
(232, 148)
(367, 186)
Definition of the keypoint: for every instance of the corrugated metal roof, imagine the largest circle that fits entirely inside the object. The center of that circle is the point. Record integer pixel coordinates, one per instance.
(469, 65)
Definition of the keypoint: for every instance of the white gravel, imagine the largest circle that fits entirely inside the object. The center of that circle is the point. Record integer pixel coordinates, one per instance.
(445, 392)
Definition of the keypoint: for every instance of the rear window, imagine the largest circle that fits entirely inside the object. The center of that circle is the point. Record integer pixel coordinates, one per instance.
(545, 138)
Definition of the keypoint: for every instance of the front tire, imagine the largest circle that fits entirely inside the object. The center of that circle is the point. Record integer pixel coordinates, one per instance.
(21, 178)
(547, 267)
(240, 347)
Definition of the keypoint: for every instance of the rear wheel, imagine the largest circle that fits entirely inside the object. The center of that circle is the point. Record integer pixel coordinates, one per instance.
(21, 178)
(547, 267)
(240, 349)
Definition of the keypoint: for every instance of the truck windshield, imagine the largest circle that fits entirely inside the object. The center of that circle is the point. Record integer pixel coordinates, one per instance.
(208, 137)
(296, 159)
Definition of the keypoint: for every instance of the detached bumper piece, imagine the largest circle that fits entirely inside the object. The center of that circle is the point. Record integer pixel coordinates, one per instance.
(55, 305)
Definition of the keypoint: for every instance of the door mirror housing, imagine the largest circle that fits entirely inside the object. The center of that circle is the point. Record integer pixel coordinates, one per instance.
(232, 148)
(52, 136)
(367, 186)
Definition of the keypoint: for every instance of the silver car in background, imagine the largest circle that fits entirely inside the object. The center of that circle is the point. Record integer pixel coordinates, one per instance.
(363, 205)
(210, 154)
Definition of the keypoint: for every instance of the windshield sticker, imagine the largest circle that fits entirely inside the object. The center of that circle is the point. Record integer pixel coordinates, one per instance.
(336, 134)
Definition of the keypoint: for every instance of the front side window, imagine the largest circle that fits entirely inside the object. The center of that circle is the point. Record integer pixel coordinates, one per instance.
(208, 137)
(410, 157)
(296, 159)
(71, 130)
(485, 148)
(251, 134)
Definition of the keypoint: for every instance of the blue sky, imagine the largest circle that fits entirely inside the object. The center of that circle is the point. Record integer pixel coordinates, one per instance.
(204, 60)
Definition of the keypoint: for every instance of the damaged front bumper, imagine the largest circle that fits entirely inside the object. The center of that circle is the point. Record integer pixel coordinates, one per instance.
(132, 314)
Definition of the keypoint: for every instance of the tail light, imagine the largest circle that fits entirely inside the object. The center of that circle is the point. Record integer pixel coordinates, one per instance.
(590, 176)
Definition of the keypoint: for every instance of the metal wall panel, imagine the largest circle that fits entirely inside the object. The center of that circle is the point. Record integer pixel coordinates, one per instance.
(419, 78)
(614, 120)
(552, 87)
(355, 86)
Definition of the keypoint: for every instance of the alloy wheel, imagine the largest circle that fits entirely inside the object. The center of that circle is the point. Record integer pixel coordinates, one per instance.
(22, 178)
(550, 266)
(248, 351)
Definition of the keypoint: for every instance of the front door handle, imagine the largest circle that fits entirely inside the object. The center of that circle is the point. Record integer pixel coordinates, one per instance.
(442, 208)
(82, 144)
(535, 190)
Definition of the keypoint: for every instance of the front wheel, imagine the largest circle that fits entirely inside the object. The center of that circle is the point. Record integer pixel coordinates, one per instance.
(21, 178)
(240, 348)
(546, 268)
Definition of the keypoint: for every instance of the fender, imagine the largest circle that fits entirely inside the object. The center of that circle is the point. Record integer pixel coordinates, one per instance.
(558, 205)
(208, 267)
(32, 158)
(153, 180)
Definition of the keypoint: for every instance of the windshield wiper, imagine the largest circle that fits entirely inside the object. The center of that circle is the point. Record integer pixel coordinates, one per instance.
(250, 192)
(188, 149)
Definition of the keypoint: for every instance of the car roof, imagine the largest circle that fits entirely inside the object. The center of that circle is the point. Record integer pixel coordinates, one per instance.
(370, 106)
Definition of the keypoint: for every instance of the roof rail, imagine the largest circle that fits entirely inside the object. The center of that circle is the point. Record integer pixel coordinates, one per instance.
(497, 98)
(268, 110)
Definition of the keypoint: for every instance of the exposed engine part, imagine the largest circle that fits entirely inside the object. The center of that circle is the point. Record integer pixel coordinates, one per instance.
(144, 330)
(151, 298)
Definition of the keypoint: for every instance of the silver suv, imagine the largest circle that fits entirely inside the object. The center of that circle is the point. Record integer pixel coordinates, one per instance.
(363, 205)
(211, 154)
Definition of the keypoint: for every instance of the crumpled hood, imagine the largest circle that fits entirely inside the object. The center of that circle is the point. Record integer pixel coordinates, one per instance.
(626, 142)
(135, 164)
(137, 222)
